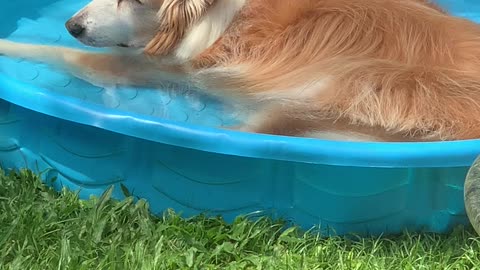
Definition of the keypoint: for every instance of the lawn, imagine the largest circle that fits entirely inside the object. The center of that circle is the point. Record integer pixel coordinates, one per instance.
(42, 229)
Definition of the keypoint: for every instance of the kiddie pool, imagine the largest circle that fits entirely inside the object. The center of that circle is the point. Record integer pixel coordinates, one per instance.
(166, 147)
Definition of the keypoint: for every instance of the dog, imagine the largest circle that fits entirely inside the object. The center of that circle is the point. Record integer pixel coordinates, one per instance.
(368, 70)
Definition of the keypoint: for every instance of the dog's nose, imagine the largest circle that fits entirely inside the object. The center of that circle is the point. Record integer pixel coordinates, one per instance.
(75, 28)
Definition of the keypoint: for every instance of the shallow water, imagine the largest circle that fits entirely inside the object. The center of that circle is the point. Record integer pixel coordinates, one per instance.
(42, 21)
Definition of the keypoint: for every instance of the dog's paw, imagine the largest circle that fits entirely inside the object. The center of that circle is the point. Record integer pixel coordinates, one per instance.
(5, 42)
(6, 47)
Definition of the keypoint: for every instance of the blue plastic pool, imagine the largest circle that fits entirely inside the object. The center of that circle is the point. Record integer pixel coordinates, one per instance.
(165, 146)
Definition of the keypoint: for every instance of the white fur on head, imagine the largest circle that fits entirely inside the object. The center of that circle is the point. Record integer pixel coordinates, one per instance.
(110, 23)
(182, 28)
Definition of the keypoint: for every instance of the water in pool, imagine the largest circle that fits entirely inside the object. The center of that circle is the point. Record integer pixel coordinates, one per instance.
(45, 25)
(42, 21)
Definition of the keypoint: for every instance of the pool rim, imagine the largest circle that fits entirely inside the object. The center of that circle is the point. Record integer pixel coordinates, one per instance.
(272, 147)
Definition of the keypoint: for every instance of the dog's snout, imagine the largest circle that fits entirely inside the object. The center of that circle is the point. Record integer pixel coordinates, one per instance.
(75, 28)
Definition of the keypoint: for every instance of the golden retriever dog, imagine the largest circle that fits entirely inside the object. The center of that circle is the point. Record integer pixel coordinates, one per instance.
(372, 70)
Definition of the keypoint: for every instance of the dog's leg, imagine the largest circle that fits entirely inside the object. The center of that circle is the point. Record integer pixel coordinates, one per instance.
(97, 68)
(313, 123)
(278, 120)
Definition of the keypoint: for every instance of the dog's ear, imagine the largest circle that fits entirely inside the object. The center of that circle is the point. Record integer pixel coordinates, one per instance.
(175, 18)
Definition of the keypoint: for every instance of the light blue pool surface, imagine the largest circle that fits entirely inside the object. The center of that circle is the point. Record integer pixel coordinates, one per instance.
(166, 147)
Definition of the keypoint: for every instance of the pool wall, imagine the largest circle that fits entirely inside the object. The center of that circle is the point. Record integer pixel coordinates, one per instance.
(339, 199)
(339, 187)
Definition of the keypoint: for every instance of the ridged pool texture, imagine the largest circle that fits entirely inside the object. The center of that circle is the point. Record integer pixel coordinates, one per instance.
(166, 146)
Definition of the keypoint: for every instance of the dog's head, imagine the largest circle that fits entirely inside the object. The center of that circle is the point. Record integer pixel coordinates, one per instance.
(157, 26)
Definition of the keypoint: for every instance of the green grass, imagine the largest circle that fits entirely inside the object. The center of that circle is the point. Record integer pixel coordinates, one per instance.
(41, 229)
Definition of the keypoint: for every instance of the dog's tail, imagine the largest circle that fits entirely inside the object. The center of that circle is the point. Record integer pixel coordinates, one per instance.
(431, 102)
(425, 102)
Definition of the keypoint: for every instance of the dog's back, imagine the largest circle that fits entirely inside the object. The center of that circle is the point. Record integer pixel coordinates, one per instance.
(400, 68)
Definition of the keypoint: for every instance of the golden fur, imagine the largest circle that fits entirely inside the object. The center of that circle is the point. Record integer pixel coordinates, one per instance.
(176, 17)
(402, 67)
(394, 70)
